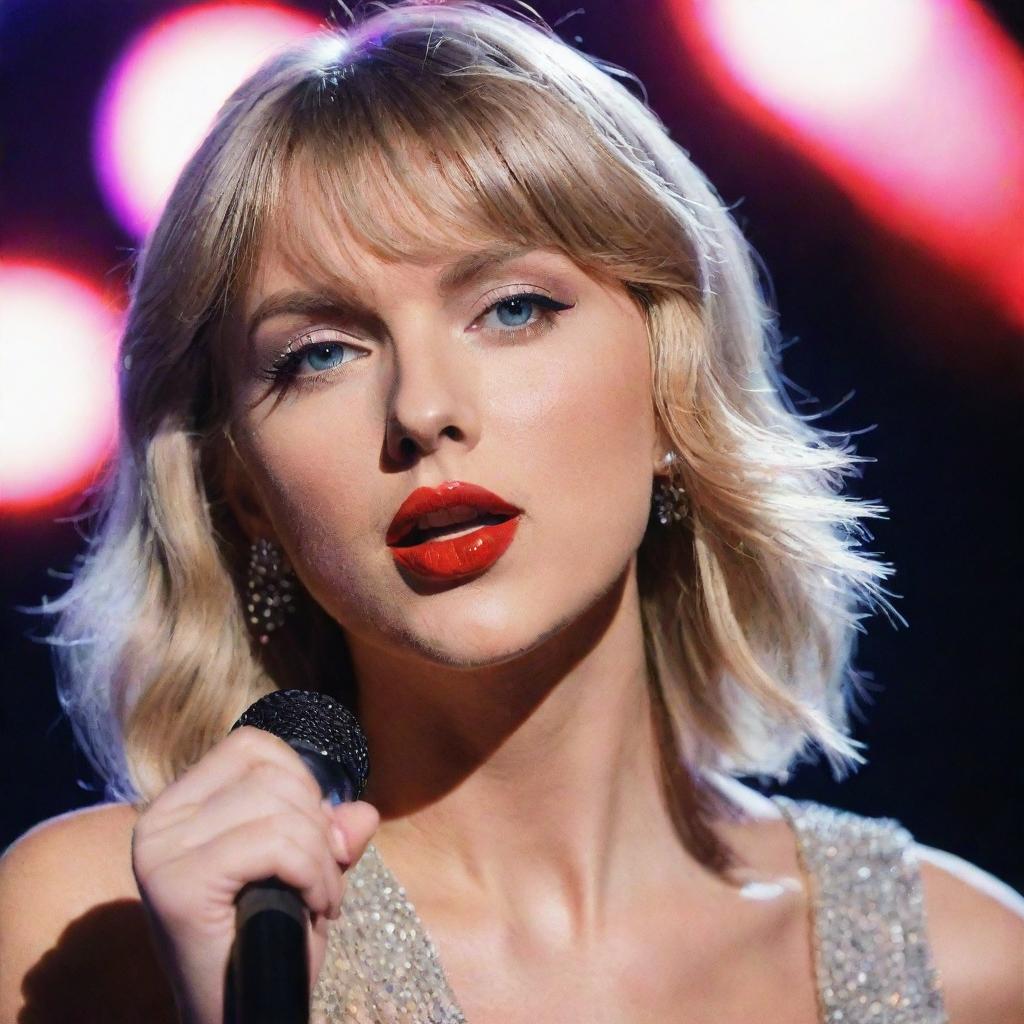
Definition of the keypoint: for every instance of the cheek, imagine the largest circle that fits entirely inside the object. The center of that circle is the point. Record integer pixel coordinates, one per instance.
(587, 429)
(299, 465)
(315, 484)
(568, 429)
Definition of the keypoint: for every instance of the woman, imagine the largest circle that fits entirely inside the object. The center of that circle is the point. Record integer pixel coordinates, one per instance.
(447, 390)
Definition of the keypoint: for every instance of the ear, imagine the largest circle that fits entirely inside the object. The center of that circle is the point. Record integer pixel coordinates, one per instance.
(242, 496)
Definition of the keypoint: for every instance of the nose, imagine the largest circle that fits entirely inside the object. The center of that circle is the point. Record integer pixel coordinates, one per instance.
(433, 400)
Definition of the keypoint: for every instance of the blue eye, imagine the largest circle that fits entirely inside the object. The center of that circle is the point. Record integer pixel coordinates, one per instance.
(323, 357)
(527, 309)
(310, 360)
(519, 308)
(520, 316)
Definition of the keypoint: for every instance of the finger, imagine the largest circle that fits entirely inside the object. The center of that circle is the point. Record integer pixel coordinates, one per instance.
(357, 822)
(335, 836)
(266, 792)
(231, 759)
(283, 847)
(222, 865)
(311, 835)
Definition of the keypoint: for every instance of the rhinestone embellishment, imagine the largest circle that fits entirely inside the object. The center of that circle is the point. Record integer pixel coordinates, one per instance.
(872, 957)
(670, 503)
(270, 589)
(873, 960)
(380, 966)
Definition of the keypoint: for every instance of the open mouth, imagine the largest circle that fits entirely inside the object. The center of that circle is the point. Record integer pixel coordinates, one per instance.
(423, 536)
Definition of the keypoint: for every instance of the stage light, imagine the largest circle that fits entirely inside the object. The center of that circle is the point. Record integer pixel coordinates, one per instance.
(163, 93)
(828, 57)
(58, 404)
(913, 107)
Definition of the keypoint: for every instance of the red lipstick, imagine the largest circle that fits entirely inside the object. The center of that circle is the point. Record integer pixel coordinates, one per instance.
(413, 533)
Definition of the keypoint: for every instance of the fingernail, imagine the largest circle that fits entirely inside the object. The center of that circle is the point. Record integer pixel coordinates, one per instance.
(342, 842)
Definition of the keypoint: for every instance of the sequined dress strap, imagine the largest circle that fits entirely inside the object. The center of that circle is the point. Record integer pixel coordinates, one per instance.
(381, 966)
(873, 961)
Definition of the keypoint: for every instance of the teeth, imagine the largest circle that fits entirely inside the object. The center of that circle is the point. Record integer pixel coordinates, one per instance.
(451, 522)
(447, 516)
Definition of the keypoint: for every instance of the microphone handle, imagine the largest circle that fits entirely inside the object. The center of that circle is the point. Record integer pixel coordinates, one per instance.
(269, 976)
(270, 956)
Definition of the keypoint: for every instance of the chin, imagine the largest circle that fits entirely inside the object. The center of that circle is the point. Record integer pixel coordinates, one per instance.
(488, 631)
(473, 626)
(493, 630)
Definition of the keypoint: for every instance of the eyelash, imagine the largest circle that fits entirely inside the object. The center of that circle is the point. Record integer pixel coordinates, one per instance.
(283, 372)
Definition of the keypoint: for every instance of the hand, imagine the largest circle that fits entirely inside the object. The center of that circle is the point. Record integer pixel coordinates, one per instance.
(249, 809)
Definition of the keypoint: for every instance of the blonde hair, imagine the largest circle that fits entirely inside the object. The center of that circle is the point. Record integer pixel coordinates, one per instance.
(488, 126)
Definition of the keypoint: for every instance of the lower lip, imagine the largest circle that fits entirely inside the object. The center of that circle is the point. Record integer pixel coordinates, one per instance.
(460, 556)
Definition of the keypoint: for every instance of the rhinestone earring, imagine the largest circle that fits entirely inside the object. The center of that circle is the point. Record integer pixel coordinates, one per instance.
(671, 504)
(270, 587)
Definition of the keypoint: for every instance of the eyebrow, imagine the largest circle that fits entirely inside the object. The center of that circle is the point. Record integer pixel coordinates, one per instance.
(475, 264)
(331, 302)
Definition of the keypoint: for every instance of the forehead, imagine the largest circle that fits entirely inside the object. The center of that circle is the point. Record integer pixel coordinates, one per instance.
(314, 236)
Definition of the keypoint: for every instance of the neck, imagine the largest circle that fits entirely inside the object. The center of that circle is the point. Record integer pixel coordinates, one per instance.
(542, 775)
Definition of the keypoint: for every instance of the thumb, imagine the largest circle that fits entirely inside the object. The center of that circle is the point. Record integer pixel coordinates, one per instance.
(355, 824)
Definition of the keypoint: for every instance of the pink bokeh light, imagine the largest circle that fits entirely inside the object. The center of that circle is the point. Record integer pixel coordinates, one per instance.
(58, 408)
(165, 90)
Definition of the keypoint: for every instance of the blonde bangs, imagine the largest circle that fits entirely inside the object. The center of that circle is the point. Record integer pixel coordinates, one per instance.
(424, 132)
(445, 166)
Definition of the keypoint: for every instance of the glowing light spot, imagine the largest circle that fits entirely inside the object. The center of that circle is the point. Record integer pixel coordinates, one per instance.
(163, 94)
(58, 404)
(913, 107)
(810, 55)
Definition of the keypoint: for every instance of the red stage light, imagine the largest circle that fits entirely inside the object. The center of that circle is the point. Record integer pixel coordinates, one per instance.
(58, 411)
(915, 108)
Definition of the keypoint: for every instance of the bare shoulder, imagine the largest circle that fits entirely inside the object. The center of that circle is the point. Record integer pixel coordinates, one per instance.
(73, 933)
(102, 827)
(975, 927)
(70, 862)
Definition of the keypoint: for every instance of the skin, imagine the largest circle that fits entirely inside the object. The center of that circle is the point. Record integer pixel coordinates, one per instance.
(514, 763)
(474, 694)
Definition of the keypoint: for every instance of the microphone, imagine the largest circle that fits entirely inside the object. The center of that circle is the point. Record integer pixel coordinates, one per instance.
(270, 955)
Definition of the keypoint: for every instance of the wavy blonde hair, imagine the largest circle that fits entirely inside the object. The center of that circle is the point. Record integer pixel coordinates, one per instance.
(488, 126)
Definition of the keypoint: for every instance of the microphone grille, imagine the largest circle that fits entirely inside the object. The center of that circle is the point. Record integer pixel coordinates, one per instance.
(317, 720)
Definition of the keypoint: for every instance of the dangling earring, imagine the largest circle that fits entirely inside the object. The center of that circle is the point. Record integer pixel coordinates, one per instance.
(271, 589)
(671, 504)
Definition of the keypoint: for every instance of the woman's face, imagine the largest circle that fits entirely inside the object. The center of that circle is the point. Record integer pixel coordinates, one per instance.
(417, 376)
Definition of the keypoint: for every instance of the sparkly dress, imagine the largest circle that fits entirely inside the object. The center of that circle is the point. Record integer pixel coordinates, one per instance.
(872, 957)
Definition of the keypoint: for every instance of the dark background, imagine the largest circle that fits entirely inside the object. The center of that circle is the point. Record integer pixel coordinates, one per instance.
(935, 372)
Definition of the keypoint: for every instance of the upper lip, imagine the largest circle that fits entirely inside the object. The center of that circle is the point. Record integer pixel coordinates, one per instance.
(449, 494)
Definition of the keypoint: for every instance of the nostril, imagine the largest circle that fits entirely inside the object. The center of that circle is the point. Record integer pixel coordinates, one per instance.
(411, 444)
